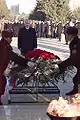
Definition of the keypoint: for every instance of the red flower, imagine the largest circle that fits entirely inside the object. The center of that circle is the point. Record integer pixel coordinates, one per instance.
(43, 56)
(52, 56)
(40, 53)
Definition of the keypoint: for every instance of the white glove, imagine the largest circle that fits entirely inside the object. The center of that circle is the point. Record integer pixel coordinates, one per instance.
(31, 64)
(7, 71)
(56, 70)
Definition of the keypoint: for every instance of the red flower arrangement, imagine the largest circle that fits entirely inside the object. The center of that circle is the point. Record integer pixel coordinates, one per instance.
(40, 53)
(44, 59)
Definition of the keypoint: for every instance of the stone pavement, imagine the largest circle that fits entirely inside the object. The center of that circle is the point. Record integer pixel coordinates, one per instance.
(60, 48)
(35, 111)
(24, 112)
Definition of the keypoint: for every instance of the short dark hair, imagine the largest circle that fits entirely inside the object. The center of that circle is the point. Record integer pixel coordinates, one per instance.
(7, 34)
(72, 31)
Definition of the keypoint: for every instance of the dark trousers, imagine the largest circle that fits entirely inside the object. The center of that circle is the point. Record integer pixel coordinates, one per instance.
(2, 84)
(66, 40)
(76, 80)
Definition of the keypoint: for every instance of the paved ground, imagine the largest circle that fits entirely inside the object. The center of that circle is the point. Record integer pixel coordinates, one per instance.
(52, 45)
(28, 112)
(36, 111)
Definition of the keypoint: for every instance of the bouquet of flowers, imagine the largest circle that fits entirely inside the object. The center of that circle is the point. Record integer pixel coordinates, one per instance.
(42, 64)
(45, 61)
(48, 64)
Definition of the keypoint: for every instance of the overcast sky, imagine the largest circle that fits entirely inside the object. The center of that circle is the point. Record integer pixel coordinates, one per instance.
(25, 5)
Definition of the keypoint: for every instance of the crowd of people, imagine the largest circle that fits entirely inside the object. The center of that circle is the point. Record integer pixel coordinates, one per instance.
(27, 33)
(46, 29)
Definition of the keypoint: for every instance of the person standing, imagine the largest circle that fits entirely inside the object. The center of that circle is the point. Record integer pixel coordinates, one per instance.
(16, 27)
(45, 29)
(27, 39)
(7, 54)
(77, 25)
(65, 28)
(74, 59)
(59, 30)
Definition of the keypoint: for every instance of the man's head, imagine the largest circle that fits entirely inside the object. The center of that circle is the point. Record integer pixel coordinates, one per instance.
(7, 35)
(27, 23)
(71, 32)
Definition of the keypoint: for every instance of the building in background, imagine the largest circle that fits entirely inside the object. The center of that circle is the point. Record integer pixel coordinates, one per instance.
(15, 9)
(74, 4)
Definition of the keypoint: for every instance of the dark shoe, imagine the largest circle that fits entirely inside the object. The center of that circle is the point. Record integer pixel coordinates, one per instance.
(1, 103)
(72, 92)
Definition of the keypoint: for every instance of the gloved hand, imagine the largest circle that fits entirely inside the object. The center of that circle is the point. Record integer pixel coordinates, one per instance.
(69, 67)
(7, 71)
(56, 70)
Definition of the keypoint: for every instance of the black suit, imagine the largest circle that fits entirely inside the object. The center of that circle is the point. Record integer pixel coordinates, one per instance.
(27, 39)
(74, 60)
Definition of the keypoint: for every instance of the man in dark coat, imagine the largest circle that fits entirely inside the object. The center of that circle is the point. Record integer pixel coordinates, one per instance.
(74, 59)
(45, 29)
(6, 54)
(16, 27)
(65, 28)
(27, 39)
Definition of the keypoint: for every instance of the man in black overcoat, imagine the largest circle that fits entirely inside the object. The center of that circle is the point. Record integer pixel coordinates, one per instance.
(27, 39)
